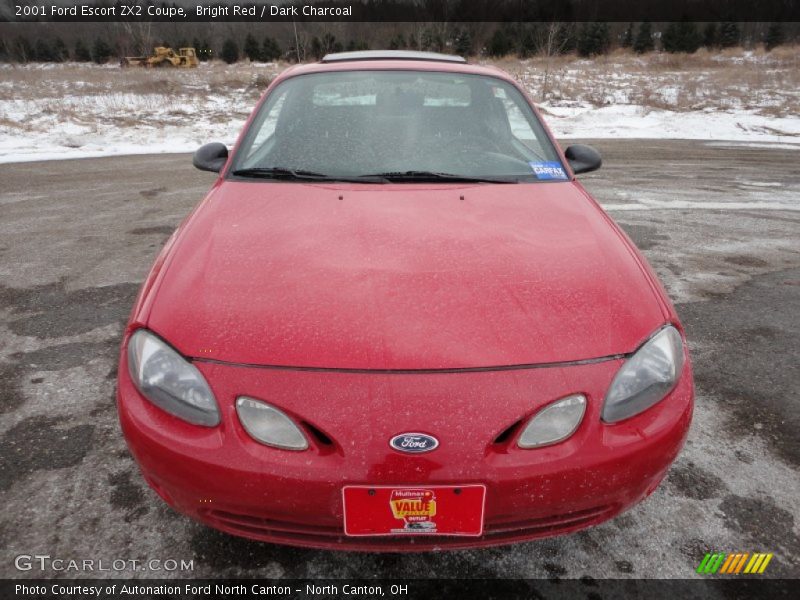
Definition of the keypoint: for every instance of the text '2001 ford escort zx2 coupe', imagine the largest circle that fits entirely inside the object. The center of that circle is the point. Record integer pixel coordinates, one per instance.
(398, 322)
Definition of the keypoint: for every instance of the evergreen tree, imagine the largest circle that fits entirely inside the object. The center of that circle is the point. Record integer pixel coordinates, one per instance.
(43, 52)
(510, 35)
(728, 34)
(357, 45)
(690, 36)
(594, 39)
(270, 49)
(322, 46)
(22, 50)
(330, 43)
(316, 48)
(60, 52)
(669, 38)
(499, 44)
(252, 50)
(101, 51)
(203, 49)
(426, 40)
(681, 37)
(710, 35)
(528, 40)
(432, 40)
(296, 53)
(644, 39)
(398, 42)
(565, 38)
(627, 39)
(774, 37)
(230, 51)
(463, 43)
(82, 53)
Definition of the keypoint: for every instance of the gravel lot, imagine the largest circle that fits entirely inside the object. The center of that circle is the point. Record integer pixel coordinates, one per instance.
(719, 222)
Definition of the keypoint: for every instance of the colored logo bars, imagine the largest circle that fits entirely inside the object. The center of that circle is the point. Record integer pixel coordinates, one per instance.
(734, 564)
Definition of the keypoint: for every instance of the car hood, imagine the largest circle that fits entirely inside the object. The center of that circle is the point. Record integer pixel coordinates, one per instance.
(401, 277)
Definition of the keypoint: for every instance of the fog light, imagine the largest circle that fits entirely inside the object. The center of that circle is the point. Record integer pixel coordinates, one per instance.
(554, 422)
(268, 425)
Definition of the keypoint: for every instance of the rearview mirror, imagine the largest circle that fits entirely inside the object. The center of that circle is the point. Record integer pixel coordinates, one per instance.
(583, 159)
(211, 157)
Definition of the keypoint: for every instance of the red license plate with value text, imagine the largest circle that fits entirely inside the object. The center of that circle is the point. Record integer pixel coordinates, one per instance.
(420, 510)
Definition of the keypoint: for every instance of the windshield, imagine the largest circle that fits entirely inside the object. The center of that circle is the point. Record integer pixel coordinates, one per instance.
(397, 125)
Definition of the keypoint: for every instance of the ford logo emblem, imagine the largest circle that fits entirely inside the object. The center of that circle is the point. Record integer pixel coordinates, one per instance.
(414, 443)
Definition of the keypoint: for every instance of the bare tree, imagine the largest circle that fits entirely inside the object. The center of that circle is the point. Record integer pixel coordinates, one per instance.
(297, 44)
(551, 42)
(138, 37)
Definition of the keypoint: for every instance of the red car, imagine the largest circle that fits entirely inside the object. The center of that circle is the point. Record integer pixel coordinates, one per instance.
(398, 322)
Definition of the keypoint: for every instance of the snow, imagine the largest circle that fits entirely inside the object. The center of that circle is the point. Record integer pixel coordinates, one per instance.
(630, 121)
(60, 145)
(50, 112)
(688, 204)
(72, 110)
(723, 144)
(50, 139)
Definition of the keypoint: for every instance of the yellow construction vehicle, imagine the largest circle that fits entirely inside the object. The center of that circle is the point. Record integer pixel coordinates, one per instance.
(164, 57)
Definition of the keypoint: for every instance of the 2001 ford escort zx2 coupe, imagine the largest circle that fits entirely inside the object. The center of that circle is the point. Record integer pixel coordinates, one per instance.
(397, 321)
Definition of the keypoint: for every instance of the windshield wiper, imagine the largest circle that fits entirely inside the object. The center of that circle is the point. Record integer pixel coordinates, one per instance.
(408, 176)
(436, 176)
(303, 175)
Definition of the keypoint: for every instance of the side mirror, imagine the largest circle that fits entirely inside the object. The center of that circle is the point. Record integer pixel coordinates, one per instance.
(583, 159)
(211, 157)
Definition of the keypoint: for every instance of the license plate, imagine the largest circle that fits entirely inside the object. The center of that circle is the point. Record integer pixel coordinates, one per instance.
(423, 510)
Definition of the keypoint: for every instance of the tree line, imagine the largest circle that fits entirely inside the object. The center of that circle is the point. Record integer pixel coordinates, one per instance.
(593, 39)
(520, 39)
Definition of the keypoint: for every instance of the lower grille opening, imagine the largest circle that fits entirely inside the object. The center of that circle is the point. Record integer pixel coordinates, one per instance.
(289, 532)
(549, 524)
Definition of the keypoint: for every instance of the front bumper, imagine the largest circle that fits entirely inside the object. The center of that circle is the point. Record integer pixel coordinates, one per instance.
(223, 478)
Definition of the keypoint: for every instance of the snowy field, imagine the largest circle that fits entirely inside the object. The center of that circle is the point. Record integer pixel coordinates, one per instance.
(72, 110)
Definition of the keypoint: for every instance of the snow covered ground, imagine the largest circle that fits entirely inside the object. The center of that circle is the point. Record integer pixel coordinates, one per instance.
(72, 110)
(632, 121)
(76, 110)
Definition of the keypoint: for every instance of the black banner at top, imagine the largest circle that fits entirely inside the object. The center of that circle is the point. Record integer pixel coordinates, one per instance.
(398, 10)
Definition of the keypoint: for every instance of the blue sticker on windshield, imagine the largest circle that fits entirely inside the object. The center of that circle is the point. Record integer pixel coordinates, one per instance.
(548, 170)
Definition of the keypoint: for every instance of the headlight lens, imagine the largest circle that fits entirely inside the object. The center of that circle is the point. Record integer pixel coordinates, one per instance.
(268, 425)
(169, 381)
(646, 377)
(554, 423)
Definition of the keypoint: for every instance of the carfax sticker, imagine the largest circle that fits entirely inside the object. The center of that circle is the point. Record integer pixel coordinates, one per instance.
(548, 170)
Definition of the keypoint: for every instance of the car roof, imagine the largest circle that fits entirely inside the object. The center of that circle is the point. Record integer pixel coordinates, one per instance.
(388, 60)
(391, 55)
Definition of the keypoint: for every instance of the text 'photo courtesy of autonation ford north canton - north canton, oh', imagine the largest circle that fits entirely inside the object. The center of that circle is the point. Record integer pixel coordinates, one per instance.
(399, 299)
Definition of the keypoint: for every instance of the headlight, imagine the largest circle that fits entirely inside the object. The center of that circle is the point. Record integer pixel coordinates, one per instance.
(169, 381)
(646, 377)
(268, 425)
(554, 422)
